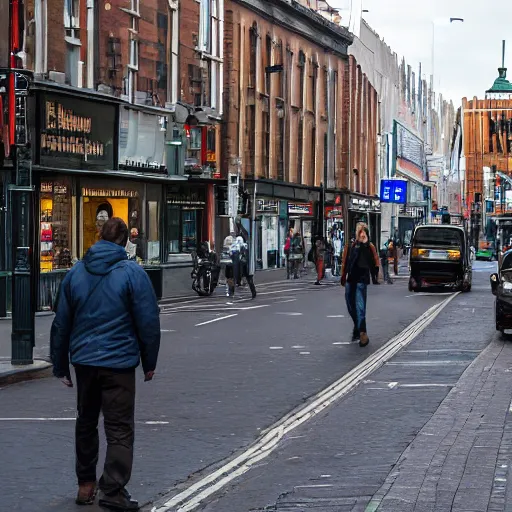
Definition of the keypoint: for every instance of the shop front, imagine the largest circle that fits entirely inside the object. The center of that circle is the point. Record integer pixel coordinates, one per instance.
(80, 184)
(367, 210)
(301, 219)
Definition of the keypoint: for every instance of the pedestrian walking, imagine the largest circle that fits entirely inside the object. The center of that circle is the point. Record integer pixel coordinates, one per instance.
(287, 249)
(360, 263)
(384, 261)
(337, 247)
(319, 259)
(227, 261)
(296, 254)
(245, 259)
(107, 321)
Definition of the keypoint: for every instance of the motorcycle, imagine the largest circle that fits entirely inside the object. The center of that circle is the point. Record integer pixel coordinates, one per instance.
(206, 270)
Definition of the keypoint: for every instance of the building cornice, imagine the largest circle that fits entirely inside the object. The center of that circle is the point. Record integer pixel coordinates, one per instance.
(303, 21)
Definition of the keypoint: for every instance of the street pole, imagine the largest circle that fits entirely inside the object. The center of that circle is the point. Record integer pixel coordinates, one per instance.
(23, 303)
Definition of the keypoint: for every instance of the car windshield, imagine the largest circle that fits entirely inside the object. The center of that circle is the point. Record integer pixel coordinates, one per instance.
(506, 264)
(438, 236)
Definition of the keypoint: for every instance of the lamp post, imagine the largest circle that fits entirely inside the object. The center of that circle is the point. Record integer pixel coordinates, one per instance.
(23, 296)
(452, 20)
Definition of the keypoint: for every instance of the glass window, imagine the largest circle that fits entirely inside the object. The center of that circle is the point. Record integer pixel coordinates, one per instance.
(55, 228)
(104, 200)
(185, 214)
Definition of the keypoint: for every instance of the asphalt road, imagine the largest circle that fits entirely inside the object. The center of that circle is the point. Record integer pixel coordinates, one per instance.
(228, 370)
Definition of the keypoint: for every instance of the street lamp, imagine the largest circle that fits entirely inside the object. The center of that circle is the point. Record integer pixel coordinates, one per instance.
(452, 20)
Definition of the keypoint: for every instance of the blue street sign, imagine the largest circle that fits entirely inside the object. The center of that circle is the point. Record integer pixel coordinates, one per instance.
(393, 191)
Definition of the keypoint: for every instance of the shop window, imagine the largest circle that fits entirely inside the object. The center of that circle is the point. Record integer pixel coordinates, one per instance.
(55, 228)
(153, 223)
(102, 202)
(185, 215)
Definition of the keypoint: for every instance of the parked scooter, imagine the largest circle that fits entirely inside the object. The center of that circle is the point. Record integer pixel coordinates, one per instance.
(206, 270)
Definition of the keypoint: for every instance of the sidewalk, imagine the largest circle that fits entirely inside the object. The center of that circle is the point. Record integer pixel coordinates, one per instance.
(460, 461)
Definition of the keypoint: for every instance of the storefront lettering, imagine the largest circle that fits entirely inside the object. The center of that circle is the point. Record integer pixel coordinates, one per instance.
(75, 140)
(108, 192)
(300, 208)
(47, 187)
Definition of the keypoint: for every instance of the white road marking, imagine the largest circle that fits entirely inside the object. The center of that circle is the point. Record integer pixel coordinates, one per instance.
(216, 320)
(342, 343)
(156, 422)
(289, 314)
(335, 316)
(275, 348)
(304, 353)
(298, 346)
(392, 385)
(167, 330)
(37, 419)
(312, 486)
(284, 301)
(193, 496)
(426, 294)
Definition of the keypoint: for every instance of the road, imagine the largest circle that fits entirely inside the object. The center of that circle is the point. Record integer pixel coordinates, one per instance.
(230, 370)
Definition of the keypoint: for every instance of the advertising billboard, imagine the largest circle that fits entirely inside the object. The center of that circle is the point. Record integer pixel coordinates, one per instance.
(393, 191)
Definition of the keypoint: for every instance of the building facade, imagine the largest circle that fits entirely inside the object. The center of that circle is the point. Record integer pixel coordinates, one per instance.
(300, 123)
(123, 119)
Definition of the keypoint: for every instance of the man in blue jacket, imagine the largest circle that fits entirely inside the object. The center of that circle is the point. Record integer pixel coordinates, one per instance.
(107, 321)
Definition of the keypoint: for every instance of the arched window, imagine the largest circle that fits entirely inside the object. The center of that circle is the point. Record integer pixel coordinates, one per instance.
(253, 52)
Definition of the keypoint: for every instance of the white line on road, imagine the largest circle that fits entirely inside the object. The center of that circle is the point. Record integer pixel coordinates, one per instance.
(193, 496)
(298, 346)
(305, 353)
(335, 316)
(37, 419)
(289, 314)
(343, 343)
(216, 320)
(275, 348)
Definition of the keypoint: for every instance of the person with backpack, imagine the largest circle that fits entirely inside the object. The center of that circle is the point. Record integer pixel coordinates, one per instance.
(287, 248)
(360, 263)
(384, 261)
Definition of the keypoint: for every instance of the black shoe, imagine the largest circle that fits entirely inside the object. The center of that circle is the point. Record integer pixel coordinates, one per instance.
(121, 502)
(317, 283)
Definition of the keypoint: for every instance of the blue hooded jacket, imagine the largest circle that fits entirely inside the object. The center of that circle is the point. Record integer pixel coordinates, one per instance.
(107, 314)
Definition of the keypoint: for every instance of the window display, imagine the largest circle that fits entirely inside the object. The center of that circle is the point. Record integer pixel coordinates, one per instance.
(185, 214)
(100, 203)
(55, 233)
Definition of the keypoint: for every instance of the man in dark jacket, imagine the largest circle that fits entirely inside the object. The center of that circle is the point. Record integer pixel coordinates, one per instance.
(106, 322)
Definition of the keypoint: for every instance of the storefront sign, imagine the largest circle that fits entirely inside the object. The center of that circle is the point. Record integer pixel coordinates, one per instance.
(364, 204)
(211, 156)
(76, 133)
(188, 196)
(333, 211)
(108, 192)
(267, 205)
(300, 209)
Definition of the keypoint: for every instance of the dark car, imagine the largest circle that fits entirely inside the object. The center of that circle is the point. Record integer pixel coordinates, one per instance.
(501, 285)
(440, 256)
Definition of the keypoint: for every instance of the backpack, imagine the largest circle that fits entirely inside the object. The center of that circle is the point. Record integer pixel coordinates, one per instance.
(311, 255)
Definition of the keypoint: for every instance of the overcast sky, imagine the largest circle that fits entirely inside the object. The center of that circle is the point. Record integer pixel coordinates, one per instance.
(467, 55)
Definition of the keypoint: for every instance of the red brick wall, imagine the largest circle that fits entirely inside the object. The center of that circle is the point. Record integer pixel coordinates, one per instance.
(189, 39)
(56, 42)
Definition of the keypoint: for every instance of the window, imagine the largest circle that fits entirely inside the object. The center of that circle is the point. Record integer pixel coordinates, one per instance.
(185, 215)
(266, 144)
(326, 91)
(253, 49)
(173, 43)
(73, 65)
(153, 224)
(279, 60)
(71, 17)
(268, 62)
(134, 54)
(251, 140)
(204, 29)
(313, 153)
(302, 66)
(134, 6)
(314, 82)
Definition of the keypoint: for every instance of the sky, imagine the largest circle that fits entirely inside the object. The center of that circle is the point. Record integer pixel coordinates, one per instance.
(467, 55)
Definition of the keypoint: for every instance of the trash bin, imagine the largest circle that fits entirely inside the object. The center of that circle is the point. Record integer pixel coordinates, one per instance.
(155, 276)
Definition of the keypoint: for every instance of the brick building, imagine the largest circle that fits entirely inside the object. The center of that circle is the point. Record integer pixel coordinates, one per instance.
(124, 111)
(487, 151)
(300, 121)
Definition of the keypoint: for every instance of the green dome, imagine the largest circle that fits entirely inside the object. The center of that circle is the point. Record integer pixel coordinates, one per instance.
(501, 84)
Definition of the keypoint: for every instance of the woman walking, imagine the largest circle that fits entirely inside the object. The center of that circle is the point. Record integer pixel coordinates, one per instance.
(319, 259)
(360, 263)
